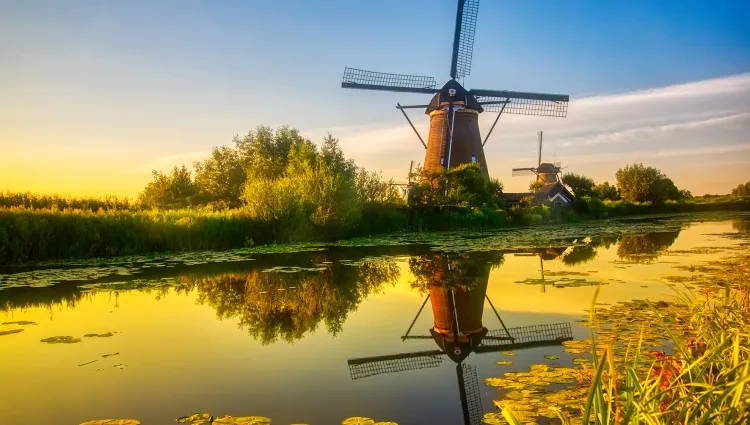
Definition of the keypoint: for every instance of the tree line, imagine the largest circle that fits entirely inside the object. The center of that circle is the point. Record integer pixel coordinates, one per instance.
(635, 183)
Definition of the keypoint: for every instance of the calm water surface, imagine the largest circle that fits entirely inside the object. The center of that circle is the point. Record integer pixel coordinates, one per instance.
(318, 336)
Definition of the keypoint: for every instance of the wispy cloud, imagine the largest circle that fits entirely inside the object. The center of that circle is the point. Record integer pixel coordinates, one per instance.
(661, 131)
(600, 134)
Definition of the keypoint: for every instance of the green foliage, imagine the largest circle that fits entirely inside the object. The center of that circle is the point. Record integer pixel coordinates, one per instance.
(220, 178)
(596, 207)
(536, 186)
(35, 235)
(635, 181)
(605, 191)
(579, 184)
(316, 193)
(742, 190)
(639, 183)
(460, 186)
(531, 219)
(169, 191)
(35, 201)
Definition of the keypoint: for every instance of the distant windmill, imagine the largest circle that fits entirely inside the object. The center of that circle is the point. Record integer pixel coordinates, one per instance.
(548, 174)
(545, 172)
(454, 137)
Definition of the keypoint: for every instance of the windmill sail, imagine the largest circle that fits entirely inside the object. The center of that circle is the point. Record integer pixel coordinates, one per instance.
(371, 80)
(523, 337)
(524, 171)
(523, 103)
(463, 40)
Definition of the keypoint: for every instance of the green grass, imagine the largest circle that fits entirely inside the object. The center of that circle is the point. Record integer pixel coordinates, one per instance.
(37, 228)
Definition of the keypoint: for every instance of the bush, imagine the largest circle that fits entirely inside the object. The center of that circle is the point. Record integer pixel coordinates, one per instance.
(596, 207)
(580, 206)
(531, 219)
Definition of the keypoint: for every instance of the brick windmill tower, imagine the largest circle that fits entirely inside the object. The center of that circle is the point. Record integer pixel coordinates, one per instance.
(454, 136)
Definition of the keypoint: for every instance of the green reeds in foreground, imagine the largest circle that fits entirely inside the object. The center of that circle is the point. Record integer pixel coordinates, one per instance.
(704, 381)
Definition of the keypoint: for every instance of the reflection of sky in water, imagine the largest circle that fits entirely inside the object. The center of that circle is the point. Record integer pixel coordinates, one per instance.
(178, 358)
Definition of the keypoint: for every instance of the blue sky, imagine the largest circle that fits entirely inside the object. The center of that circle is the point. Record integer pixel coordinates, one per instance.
(98, 93)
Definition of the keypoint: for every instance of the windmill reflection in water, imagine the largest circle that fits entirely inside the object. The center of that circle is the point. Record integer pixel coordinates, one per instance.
(456, 287)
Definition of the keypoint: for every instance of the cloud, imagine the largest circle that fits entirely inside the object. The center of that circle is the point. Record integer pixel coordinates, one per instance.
(661, 131)
(708, 150)
(601, 133)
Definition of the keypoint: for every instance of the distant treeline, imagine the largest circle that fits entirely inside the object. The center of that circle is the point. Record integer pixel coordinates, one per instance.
(279, 187)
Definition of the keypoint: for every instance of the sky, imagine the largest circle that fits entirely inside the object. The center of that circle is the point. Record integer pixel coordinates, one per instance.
(94, 95)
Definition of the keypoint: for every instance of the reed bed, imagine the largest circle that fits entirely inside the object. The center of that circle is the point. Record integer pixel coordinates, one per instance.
(705, 378)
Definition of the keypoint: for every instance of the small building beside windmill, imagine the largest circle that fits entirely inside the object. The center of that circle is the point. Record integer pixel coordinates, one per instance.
(552, 191)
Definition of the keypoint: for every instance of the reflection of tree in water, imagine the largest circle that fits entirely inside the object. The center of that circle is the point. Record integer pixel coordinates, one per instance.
(276, 305)
(741, 225)
(647, 247)
(578, 255)
(464, 270)
(604, 241)
(49, 296)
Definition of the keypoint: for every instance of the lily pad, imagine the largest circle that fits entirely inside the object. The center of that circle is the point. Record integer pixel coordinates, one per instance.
(252, 420)
(508, 353)
(110, 355)
(551, 357)
(12, 331)
(61, 340)
(113, 422)
(106, 335)
(20, 323)
(194, 417)
(358, 420)
(505, 362)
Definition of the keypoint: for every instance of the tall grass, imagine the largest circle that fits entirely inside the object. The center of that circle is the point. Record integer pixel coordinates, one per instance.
(705, 380)
(596, 208)
(35, 235)
(35, 201)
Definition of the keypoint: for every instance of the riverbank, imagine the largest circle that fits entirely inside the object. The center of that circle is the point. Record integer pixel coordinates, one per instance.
(30, 235)
(628, 376)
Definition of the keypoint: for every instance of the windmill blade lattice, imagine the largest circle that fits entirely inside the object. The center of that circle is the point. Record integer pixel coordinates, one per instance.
(371, 80)
(524, 172)
(466, 38)
(523, 103)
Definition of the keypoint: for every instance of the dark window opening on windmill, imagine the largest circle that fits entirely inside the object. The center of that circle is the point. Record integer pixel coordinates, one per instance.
(473, 159)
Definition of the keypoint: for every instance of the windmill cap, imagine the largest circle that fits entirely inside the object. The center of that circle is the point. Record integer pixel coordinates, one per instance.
(546, 167)
(452, 90)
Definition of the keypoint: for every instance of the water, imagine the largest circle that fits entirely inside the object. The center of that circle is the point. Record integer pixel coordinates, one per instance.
(292, 336)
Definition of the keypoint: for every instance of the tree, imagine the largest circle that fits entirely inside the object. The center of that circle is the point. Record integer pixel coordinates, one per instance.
(316, 191)
(535, 186)
(264, 153)
(220, 178)
(172, 191)
(605, 191)
(463, 185)
(663, 190)
(372, 188)
(639, 183)
(579, 184)
(742, 190)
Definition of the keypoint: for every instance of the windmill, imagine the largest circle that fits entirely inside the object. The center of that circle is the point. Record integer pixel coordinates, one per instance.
(458, 331)
(454, 136)
(548, 175)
